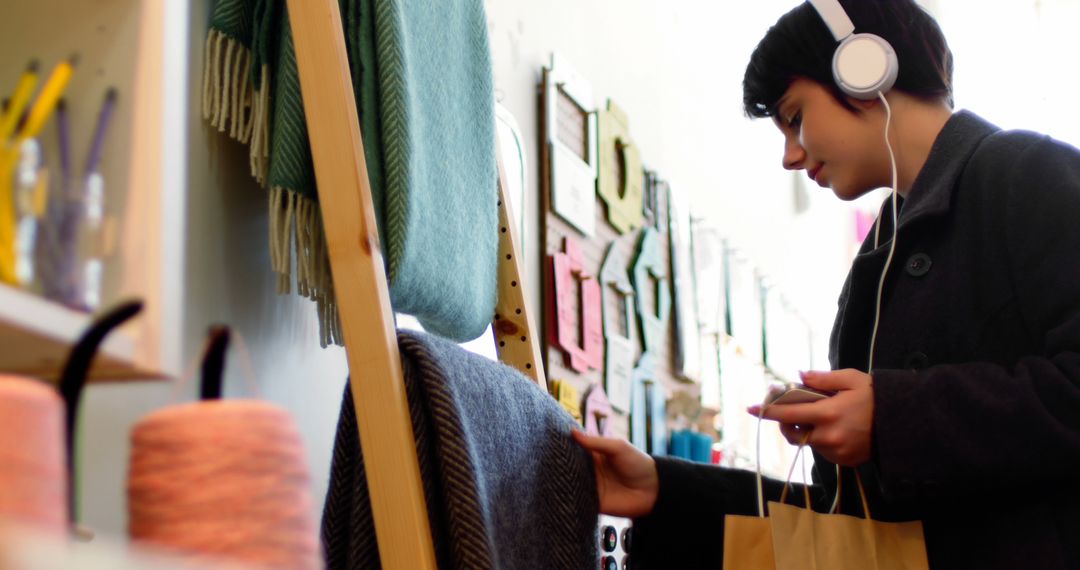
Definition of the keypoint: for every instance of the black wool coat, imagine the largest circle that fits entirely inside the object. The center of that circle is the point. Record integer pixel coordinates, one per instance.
(976, 369)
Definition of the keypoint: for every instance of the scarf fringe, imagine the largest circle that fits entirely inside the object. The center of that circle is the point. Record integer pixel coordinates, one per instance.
(296, 222)
(259, 149)
(234, 105)
(228, 97)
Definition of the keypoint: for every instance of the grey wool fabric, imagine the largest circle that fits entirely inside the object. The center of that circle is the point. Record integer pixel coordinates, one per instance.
(505, 485)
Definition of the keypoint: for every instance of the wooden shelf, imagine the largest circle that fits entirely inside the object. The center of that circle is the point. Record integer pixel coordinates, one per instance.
(126, 46)
(36, 336)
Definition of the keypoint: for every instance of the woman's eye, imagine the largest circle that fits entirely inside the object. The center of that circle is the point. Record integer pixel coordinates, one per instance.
(795, 121)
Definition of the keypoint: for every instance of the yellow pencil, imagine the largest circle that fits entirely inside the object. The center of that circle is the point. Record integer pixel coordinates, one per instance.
(8, 159)
(19, 99)
(46, 101)
(39, 113)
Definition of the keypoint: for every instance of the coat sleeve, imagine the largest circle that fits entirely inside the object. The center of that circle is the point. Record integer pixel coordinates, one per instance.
(962, 429)
(686, 527)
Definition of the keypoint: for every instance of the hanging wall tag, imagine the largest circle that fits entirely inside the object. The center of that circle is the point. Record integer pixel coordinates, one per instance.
(568, 398)
(573, 282)
(619, 361)
(639, 408)
(570, 131)
(657, 419)
(621, 175)
(597, 411)
(649, 267)
(687, 342)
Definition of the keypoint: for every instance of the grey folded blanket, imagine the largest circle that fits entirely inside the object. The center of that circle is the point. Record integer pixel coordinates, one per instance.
(505, 485)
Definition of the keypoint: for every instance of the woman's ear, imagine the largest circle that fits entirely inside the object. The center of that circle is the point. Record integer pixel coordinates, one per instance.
(863, 104)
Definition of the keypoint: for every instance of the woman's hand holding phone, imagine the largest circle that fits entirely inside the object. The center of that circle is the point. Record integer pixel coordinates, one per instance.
(840, 424)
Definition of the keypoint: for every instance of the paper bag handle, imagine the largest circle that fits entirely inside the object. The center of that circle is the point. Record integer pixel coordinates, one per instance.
(839, 483)
(791, 471)
(862, 492)
(760, 478)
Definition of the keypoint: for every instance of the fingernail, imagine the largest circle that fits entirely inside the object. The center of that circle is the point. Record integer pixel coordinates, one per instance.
(803, 374)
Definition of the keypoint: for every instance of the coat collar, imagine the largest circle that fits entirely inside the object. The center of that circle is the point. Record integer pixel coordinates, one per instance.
(931, 194)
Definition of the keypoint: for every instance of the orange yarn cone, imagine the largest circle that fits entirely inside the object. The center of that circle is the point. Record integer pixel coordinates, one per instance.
(223, 479)
(33, 474)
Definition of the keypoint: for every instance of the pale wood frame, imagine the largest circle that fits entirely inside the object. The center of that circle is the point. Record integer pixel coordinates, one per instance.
(378, 391)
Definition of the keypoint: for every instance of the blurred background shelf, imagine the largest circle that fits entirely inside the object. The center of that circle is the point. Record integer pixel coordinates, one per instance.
(120, 45)
(36, 336)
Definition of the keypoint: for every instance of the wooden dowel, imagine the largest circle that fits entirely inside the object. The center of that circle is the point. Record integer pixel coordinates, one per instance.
(378, 389)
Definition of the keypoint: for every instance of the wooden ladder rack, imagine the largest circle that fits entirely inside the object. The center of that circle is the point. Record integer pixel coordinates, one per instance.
(367, 319)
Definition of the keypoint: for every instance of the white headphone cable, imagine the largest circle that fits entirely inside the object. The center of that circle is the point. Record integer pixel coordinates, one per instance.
(888, 261)
(760, 497)
(892, 245)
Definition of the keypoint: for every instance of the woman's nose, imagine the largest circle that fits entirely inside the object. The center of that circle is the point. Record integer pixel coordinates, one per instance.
(794, 154)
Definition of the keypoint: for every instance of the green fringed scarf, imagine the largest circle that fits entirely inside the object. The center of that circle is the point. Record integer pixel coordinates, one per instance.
(422, 75)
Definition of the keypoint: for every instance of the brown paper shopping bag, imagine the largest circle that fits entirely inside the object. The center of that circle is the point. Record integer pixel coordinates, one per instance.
(748, 541)
(803, 539)
(798, 538)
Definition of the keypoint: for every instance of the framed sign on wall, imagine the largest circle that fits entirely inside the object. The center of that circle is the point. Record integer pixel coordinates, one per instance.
(573, 282)
(621, 176)
(618, 316)
(570, 132)
(649, 268)
(684, 290)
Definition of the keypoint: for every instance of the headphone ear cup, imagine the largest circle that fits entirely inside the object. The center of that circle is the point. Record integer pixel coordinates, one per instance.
(865, 65)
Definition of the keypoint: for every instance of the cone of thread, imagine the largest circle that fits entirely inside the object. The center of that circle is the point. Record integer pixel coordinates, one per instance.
(33, 474)
(223, 479)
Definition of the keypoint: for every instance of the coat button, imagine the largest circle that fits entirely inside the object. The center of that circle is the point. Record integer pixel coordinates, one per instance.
(916, 361)
(918, 265)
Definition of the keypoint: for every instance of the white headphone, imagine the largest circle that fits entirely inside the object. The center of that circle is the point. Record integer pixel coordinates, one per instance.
(863, 64)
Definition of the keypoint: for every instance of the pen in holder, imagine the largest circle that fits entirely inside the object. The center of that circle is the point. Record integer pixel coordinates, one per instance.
(17, 130)
(76, 236)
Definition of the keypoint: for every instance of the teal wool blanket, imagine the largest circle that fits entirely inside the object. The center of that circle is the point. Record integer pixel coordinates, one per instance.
(422, 79)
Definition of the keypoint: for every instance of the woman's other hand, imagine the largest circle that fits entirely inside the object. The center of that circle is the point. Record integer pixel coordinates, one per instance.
(626, 478)
(840, 425)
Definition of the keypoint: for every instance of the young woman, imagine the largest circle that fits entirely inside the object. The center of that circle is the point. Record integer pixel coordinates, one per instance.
(968, 416)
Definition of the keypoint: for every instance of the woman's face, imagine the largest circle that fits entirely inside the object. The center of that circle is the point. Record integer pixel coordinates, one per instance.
(838, 148)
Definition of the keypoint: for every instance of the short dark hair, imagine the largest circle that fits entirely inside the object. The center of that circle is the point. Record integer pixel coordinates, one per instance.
(800, 45)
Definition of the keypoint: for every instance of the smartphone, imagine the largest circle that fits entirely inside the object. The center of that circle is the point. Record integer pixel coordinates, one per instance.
(794, 393)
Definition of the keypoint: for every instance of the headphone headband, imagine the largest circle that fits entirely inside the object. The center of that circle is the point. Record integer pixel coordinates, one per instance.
(835, 17)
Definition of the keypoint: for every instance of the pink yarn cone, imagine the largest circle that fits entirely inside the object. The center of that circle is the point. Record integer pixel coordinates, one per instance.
(33, 473)
(223, 479)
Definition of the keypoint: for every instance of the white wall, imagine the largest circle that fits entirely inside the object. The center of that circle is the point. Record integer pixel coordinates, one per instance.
(676, 69)
(1022, 74)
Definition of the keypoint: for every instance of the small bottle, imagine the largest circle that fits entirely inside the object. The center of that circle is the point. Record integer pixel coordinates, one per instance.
(93, 224)
(27, 198)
